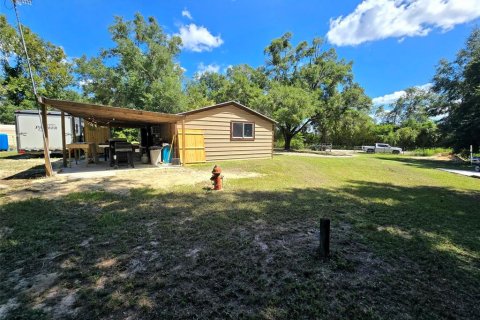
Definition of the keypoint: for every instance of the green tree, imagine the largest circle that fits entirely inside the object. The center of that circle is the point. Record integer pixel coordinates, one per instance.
(291, 108)
(385, 132)
(139, 72)
(406, 137)
(298, 86)
(414, 105)
(241, 83)
(50, 67)
(196, 96)
(354, 128)
(428, 134)
(319, 72)
(458, 86)
(409, 120)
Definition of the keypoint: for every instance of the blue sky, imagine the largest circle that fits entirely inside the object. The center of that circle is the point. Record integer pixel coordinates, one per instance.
(394, 44)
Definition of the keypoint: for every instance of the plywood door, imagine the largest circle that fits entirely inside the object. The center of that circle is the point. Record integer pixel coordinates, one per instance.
(195, 146)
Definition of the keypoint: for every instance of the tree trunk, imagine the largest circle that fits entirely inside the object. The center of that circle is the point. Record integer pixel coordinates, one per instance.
(288, 140)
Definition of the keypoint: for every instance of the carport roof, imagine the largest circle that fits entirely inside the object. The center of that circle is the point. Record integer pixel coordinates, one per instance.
(111, 116)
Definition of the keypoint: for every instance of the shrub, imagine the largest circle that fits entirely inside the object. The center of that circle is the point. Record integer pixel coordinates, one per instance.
(427, 152)
(297, 142)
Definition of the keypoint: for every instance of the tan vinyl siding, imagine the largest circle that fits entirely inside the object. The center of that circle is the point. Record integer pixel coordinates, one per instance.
(216, 122)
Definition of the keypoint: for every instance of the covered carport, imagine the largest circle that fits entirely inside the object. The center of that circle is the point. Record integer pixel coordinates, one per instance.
(111, 117)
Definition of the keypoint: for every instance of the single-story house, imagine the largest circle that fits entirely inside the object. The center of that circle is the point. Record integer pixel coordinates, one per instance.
(232, 131)
(224, 131)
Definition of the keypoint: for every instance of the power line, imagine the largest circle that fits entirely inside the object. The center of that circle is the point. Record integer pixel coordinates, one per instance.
(48, 165)
(20, 29)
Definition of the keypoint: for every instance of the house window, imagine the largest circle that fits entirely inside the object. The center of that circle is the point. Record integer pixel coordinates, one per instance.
(243, 131)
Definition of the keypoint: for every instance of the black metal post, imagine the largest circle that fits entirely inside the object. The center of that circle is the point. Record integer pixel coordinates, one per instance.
(324, 238)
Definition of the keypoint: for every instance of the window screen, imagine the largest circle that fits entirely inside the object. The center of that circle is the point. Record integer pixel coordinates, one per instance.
(243, 130)
(237, 130)
(248, 130)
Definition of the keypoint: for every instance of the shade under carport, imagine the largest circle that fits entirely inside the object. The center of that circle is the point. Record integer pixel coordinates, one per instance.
(108, 116)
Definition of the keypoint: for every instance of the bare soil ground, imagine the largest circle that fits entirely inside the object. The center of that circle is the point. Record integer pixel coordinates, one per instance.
(116, 181)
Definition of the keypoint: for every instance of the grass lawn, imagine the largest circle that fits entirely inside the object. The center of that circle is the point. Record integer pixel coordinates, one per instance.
(405, 245)
(6, 154)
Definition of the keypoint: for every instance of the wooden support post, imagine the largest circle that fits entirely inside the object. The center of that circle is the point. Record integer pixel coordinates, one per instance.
(74, 138)
(64, 144)
(184, 147)
(324, 238)
(46, 151)
(76, 152)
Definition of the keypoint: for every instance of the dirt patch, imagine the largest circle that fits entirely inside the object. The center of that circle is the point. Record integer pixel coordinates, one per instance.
(119, 183)
(45, 293)
(65, 307)
(106, 263)
(7, 307)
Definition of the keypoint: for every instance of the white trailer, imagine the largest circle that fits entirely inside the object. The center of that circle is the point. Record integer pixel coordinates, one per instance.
(29, 130)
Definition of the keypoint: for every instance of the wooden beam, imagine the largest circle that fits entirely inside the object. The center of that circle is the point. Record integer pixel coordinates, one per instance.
(64, 144)
(107, 112)
(46, 151)
(184, 147)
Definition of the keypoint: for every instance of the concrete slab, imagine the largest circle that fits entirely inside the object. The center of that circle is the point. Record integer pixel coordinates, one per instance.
(103, 169)
(463, 172)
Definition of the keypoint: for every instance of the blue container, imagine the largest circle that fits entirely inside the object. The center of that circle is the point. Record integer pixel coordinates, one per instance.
(166, 155)
(3, 142)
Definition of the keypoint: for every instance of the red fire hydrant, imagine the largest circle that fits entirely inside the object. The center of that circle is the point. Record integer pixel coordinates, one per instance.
(217, 178)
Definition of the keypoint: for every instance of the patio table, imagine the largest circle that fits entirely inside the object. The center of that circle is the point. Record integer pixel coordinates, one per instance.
(88, 147)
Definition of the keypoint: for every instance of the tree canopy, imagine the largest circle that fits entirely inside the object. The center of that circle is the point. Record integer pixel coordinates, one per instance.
(139, 72)
(51, 70)
(302, 86)
(458, 86)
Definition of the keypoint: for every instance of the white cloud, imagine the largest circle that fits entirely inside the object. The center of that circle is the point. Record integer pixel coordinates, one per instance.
(198, 38)
(179, 66)
(380, 19)
(426, 86)
(210, 68)
(390, 98)
(82, 83)
(187, 14)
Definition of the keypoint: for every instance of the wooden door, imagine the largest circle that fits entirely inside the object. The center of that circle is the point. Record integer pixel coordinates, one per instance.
(97, 134)
(195, 146)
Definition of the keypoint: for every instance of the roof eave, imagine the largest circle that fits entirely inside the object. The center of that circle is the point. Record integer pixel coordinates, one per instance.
(238, 104)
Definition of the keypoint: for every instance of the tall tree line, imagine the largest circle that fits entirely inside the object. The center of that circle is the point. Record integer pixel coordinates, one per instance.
(303, 87)
(457, 84)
